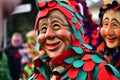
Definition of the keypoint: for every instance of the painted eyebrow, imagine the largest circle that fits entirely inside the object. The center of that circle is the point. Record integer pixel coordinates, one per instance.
(42, 20)
(51, 17)
(105, 19)
(114, 19)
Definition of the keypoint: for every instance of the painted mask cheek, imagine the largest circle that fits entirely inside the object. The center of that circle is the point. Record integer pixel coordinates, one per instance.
(117, 33)
(102, 32)
(65, 36)
(41, 38)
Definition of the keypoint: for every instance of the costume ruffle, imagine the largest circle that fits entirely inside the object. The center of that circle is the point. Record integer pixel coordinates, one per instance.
(88, 66)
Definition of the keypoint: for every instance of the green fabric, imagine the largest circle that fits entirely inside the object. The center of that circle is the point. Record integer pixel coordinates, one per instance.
(113, 69)
(30, 41)
(82, 75)
(69, 60)
(78, 50)
(28, 70)
(4, 70)
(78, 63)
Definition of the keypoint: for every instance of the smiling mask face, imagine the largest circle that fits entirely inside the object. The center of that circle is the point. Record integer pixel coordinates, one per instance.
(110, 30)
(54, 34)
(60, 25)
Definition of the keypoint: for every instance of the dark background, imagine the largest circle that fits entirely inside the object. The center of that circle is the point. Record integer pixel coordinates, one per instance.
(22, 22)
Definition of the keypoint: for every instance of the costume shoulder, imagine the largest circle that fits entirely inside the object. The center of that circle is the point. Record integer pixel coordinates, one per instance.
(89, 66)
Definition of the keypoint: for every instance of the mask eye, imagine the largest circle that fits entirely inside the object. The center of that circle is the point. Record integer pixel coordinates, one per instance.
(115, 25)
(56, 26)
(105, 24)
(43, 29)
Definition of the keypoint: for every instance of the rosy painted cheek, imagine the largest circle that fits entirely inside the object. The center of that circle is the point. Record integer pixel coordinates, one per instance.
(40, 38)
(102, 32)
(117, 33)
(64, 35)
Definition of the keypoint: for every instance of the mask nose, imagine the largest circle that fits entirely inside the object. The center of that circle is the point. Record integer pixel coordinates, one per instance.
(109, 30)
(50, 34)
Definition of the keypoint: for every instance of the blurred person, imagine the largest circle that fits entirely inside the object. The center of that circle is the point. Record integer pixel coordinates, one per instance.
(65, 55)
(6, 8)
(16, 56)
(110, 33)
